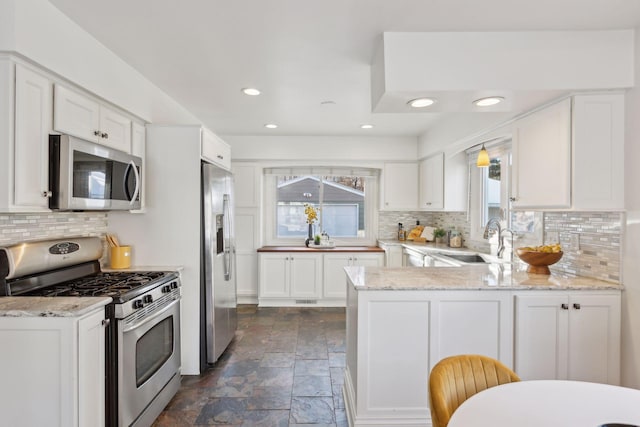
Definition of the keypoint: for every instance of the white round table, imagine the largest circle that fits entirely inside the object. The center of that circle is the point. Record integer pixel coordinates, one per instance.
(549, 404)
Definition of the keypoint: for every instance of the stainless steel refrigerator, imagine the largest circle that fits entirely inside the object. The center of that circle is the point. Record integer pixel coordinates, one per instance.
(218, 251)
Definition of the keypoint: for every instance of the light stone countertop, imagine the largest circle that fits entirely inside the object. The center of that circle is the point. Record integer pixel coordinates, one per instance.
(50, 306)
(469, 277)
(177, 268)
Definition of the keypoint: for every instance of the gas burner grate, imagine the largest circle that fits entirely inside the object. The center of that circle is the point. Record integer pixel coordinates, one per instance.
(110, 284)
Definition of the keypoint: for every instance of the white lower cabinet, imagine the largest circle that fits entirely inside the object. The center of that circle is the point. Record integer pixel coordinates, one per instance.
(297, 278)
(568, 336)
(285, 277)
(56, 368)
(335, 279)
(394, 338)
(392, 254)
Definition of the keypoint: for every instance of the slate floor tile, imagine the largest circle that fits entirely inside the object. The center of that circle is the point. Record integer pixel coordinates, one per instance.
(311, 386)
(223, 411)
(285, 367)
(266, 418)
(270, 398)
(312, 410)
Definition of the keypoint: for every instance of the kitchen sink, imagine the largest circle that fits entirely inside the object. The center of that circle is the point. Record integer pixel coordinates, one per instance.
(466, 258)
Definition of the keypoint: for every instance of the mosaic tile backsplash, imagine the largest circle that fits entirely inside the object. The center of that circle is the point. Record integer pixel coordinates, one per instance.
(16, 228)
(591, 241)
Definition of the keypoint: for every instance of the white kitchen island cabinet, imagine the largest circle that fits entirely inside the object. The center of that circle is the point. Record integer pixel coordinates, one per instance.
(568, 336)
(402, 321)
(54, 373)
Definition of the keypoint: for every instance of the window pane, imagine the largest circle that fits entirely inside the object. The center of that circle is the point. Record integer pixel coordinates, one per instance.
(291, 194)
(343, 206)
(492, 182)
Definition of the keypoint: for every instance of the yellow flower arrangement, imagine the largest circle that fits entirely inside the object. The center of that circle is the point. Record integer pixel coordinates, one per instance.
(311, 213)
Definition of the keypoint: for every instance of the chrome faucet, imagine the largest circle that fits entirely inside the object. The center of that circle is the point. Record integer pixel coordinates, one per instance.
(495, 223)
(502, 238)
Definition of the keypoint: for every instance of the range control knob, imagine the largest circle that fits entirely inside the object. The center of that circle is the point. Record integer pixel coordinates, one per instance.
(166, 289)
(148, 299)
(174, 285)
(137, 304)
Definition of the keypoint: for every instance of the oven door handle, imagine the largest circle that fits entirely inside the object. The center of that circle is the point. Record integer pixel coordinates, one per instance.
(150, 318)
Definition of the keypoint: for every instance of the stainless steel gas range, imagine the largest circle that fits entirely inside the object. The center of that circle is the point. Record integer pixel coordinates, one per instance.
(143, 333)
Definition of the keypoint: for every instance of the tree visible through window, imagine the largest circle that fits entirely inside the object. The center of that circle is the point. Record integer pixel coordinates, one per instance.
(340, 200)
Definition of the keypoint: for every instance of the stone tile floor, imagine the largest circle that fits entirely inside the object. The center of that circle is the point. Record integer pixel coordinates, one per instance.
(285, 367)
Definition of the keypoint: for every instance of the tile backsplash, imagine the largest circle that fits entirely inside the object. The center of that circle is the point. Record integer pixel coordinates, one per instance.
(591, 241)
(15, 228)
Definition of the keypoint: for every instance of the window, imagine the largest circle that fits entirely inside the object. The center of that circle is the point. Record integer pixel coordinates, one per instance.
(489, 198)
(344, 204)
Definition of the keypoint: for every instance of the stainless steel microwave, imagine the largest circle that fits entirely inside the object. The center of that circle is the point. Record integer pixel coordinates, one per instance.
(88, 176)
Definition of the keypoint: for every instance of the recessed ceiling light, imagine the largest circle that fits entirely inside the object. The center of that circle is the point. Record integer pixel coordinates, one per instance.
(251, 91)
(271, 125)
(366, 126)
(489, 101)
(421, 102)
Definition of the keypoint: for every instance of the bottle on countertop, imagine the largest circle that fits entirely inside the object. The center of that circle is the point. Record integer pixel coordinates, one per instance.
(401, 233)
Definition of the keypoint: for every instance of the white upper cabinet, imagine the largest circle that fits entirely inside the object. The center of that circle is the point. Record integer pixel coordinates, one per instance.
(33, 111)
(598, 152)
(215, 150)
(541, 172)
(432, 183)
(78, 115)
(400, 187)
(571, 155)
(444, 182)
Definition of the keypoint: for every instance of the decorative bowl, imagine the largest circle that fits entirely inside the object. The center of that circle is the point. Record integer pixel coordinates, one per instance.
(539, 262)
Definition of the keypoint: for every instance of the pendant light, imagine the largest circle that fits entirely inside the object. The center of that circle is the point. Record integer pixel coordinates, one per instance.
(483, 158)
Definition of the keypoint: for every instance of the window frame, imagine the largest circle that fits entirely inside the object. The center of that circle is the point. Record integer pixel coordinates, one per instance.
(370, 213)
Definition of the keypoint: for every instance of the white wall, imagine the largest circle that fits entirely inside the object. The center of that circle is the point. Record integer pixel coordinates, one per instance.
(39, 31)
(631, 267)
(319, 148)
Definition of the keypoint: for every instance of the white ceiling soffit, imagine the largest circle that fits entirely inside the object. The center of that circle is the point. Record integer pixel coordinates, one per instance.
(456, 68)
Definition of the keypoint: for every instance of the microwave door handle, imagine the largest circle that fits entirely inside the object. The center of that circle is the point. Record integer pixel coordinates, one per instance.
(227, 237)
(132, 166)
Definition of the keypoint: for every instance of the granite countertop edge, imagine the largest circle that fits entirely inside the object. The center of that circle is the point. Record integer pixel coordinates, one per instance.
(50, 306)
(485, 277)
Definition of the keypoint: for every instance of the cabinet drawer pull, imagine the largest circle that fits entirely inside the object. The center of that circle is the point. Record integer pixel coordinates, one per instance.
(565, 306)
(105, 322)
(220, 156)
(286, 259)
(105, 135)
(47, 193)
(96, 132)
(512, 199)
(576, 306)
(428, 203)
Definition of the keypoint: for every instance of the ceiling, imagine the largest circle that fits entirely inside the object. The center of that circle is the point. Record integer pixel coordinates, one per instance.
(311, 60)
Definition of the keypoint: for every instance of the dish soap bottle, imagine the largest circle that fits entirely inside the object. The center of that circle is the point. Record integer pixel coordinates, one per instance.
(401, 234)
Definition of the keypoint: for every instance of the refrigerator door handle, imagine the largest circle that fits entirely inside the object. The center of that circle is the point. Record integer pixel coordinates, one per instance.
(227, 238)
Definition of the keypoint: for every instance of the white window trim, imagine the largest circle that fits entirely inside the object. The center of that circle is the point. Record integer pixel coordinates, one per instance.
(370, 217)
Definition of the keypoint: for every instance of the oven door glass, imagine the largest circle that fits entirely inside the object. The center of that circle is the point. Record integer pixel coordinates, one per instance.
(149, 357)
(153, 349)
(100, 178)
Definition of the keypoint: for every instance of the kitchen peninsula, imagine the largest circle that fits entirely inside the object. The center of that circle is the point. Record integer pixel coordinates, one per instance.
(402, 321)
